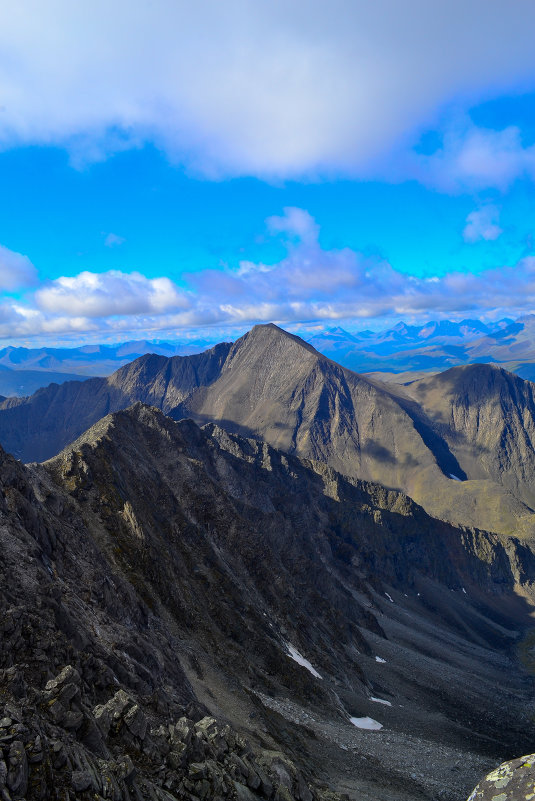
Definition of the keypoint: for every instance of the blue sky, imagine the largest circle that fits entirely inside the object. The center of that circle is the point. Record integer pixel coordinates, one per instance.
(181, 170)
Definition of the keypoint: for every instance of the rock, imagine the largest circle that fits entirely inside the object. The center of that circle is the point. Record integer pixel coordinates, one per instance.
(511, 781)
(243, 793)
(69, 674)
(81, 780)
(125, 769)
(17, 776)
(136, 722)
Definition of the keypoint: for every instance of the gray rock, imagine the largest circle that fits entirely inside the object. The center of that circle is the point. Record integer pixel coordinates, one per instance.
(136, 722)
(81, 780)
(17, 776)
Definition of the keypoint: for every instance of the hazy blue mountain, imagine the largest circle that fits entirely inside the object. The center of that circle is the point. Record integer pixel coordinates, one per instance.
(24, 370)
(436, 345)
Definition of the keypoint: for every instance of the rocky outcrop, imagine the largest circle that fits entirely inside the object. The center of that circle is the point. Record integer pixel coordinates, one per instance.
(54, 746)
(511, 781)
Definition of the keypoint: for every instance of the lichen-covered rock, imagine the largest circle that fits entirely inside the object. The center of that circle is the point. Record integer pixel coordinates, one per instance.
(511, 781)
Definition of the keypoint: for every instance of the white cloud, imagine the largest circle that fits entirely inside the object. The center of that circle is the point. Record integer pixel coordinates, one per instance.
(309, 284)
(295, 222)
(269, 89)
(482, 224)
(91, 295)
(16, 270)
(473, 158)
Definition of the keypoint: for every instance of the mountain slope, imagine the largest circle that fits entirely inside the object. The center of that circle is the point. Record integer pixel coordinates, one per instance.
(37, 427)
(487, 416)
(193, 568)
(274, 386)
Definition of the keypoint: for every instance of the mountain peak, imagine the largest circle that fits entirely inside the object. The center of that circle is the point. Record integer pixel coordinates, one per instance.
(268, 334)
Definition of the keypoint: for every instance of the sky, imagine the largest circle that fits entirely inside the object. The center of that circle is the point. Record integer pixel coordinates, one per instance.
(178, 170)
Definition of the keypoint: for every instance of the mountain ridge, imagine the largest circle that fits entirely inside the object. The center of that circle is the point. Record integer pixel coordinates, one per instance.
(188, 574)
(272, 385)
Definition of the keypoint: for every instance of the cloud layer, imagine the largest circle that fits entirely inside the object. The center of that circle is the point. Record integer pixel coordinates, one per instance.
(269, 89)
(309, 284)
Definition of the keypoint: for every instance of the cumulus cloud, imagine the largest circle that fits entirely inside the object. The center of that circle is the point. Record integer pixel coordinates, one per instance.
(268, 89)
(310, 283)
(482, 224)
(109, 294)
(472, 159)
(16, 270)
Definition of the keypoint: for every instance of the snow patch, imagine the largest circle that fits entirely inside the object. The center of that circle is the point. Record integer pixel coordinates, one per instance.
(366, 723)
(455, 478)
(378, 659)
(380, 701)
(389, 598)
(294, 654)
(463, 589)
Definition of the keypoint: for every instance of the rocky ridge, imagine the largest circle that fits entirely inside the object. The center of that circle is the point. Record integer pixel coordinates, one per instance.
(190, 614)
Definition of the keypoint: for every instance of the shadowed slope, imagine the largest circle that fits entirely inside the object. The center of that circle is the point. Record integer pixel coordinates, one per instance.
(487, 417)
(246, 552)
(37, 427)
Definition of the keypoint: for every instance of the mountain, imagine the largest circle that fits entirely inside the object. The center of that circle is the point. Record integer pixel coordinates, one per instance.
(36, 428)
(273, 386)
(436, 345)
(186, 613)
(276, 387)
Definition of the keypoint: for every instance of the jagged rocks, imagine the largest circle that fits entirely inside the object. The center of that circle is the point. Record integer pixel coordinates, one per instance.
(43, 756)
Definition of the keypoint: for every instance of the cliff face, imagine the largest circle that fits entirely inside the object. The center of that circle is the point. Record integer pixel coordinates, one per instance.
(156, 575)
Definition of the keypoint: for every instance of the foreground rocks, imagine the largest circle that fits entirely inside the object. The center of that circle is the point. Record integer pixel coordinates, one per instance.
(512, 781)
(54, 746)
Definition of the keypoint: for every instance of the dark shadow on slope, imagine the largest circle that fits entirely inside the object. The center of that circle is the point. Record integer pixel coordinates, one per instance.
(432, 440)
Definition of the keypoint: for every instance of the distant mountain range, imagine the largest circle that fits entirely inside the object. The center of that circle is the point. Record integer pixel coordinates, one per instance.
(410, 349)
(24, 370)
(434, 346)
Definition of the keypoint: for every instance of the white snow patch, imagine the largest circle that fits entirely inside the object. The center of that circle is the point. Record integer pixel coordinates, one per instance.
(463, 589)
(389, 597)
(455, 478)
(294, 654)
(380, 701)
(366, 723)
(378, 659)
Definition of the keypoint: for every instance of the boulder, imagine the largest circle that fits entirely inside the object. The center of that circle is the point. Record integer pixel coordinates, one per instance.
(511, 781)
